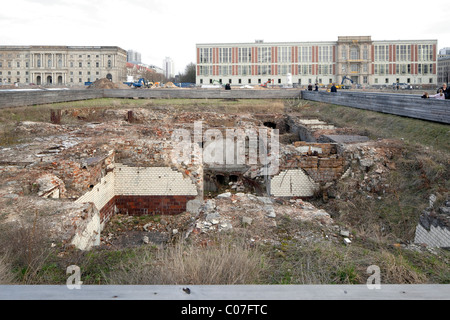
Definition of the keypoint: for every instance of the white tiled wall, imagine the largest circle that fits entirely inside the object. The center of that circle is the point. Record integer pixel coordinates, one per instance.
(101, 193)
(151, 181)
(292, 183)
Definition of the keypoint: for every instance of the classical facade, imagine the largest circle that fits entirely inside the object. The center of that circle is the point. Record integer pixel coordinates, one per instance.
(357, 59)
(61, 65)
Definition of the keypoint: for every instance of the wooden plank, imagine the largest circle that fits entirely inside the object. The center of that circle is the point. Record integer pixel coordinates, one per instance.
(223, 292)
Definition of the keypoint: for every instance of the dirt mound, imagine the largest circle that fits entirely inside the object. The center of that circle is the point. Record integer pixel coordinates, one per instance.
(104, 83)
(170, 85)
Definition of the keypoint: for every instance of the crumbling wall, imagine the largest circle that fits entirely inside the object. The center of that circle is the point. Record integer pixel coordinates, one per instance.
(152, 190)
(293, 183)
(101, 195)
(87, 228)
(435, 236)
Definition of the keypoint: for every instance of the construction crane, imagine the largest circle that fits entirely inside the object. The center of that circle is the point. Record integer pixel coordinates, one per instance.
(264, 85)
(342, 86)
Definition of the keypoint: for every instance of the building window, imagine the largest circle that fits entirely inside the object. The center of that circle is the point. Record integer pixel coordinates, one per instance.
(265, 55)
(244, 55)
(205, 55)
(381, 53)
(425, 52)
(325, 53)
(284, 54)
(18, 64)
(109, 63)
(304, 54)
(225, 55)
(354, 53)
(403, 52)
(80, 64)
(97, 64)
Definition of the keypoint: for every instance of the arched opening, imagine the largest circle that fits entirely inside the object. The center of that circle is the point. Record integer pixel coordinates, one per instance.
(270, 125)
(109, 76)
(220, 179)
(38, 80)
(49, 80)
(233, 178)
(60, 80)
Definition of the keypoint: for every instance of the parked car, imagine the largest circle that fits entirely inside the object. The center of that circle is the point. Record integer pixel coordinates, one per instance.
(402, 86)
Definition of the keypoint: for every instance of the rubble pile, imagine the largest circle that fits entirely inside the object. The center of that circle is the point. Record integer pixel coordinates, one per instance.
(65, 162)
(105, 83)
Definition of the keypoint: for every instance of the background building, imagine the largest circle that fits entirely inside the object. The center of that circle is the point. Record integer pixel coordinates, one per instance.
(61, 65)
(133, 57)
(168, 67)
(360, 59)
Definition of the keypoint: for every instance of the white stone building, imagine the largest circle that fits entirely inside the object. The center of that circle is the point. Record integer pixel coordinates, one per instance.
(61, 65)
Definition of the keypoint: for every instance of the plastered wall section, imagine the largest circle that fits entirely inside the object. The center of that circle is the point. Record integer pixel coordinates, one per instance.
(149, 181)
(435, 237)
(88, 235)
(101, 193)
(293, 183)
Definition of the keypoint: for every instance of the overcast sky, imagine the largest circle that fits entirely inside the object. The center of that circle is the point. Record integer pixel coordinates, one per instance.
(171, 28)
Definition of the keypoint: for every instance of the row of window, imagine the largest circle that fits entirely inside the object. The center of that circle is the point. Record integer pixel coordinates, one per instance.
(403, 68)
(264, 54)
(365, 80)
(18, 80)
(306, 69)
(425, 52)
(9, 64)
(9, 73)
(27, 55)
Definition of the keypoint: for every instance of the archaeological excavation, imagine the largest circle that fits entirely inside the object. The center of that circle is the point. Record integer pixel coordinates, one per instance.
(115, 178)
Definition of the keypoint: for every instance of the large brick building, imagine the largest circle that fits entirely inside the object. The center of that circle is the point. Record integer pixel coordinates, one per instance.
(359, 58)
(61, 65)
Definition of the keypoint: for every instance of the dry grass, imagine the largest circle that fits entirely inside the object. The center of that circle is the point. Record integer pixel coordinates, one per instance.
(28, 248)
(221, 264)
(6, 276)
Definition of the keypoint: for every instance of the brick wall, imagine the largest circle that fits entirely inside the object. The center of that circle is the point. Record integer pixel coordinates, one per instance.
(152, 205)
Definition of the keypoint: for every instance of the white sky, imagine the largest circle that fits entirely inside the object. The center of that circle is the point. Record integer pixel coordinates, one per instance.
(160, 28)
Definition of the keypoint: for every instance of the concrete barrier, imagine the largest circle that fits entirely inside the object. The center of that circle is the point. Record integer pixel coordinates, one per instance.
(202, 94)
(406, 105)
(19, 98)
(398, 104)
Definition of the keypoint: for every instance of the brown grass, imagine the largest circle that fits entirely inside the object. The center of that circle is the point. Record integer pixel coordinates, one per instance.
(224, 263)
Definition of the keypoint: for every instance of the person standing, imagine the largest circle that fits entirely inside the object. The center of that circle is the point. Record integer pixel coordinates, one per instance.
(445, 91)
(333, 88)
